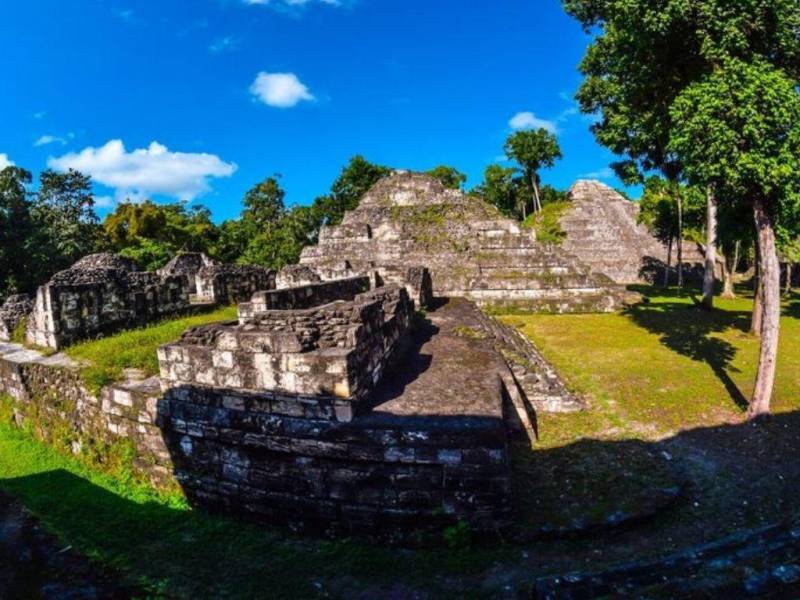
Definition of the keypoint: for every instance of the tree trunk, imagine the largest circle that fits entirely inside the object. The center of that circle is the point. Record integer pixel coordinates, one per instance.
(680, 241)
(729, 272)
(537, 202)
(770, 325)
(669, 264)
(758, 295)
(711, 251)
(789, 269)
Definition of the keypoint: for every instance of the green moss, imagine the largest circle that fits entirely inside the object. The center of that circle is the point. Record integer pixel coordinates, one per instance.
(546, 223)
(18, 335)
(104, 359)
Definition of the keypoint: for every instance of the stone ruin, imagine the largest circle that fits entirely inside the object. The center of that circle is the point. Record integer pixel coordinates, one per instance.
(104, 293)
(13, 313)
(602, 229)
(322, 407)
(470, 249)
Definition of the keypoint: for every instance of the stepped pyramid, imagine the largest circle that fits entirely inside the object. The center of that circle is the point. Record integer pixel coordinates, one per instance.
(473, 251)
(603, 231)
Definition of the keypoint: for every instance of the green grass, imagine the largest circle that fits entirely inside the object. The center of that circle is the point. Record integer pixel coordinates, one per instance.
(660, 367)
(105, 358)
(546, 223)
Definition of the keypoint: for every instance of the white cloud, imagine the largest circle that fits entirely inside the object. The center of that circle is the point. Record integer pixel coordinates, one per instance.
(46, 140)
(5, 161)
(282, 90)
(151, 170)
(528, 120)
(605, 173)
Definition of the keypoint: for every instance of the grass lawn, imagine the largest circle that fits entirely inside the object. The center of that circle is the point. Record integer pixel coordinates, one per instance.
(106, 357)
(660, 367)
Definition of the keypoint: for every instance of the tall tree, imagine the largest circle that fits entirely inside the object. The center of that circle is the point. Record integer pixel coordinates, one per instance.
(16, 228)
(500, 188)
(533, 150)
(63, 211)
(747, 115)
(264, 204)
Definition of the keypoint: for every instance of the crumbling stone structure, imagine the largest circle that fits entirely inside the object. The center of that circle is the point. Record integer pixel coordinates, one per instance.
(470, 249)
(99, 294)
(13, 313)
(104, 293)
(309, 412)
(602, 229)
(230, 284)
(187, 264)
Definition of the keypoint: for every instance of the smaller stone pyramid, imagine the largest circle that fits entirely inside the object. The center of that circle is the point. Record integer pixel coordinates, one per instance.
(602, 229)
(472, 250)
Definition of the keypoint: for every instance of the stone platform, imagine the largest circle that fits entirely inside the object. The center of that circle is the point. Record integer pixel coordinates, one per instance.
(430, 448)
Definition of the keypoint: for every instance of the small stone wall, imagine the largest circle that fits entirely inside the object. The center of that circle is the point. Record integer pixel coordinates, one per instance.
(50, 396)
(12, 314)
(337, 351)
(305, 296)
(187, 264)
(230, 284)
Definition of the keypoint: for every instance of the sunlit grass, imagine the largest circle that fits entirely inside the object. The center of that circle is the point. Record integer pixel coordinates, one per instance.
(105, 358)
(660, 367)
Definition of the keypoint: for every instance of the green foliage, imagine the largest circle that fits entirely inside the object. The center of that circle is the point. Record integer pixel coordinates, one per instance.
(546, 223)
(500, 188)
(353, 182)
(532, 150)
(264, 204)
(659, 209)
(748, 118)
(450, 177)
(18, 335)
(151, 234)
(105, 358)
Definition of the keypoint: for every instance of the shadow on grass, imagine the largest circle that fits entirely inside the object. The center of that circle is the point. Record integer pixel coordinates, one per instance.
(686, 329)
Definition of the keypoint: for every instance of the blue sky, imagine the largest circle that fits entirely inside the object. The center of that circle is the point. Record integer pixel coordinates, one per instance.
(200, 100)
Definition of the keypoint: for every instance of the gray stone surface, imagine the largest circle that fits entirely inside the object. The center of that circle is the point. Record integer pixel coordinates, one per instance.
(603, 231)
(470, 249)
(12, 314)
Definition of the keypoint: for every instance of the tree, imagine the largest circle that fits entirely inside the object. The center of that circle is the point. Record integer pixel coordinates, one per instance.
(63, 212)
(648, 51)
(16, 228)
(264, 204)
(449, 176)
(670, 209)
(151, 234)
(500, 188)
(356, 178)
(533, 150)
(282, 243)
(747, 115)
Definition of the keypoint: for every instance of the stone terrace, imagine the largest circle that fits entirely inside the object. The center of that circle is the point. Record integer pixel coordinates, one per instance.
(429, 448)
(470, 249)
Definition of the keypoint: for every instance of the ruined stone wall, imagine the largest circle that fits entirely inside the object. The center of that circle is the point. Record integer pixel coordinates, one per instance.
(99, 295)
(51, 398)
(389, 477)
(304, 296)
(336, 351)
(230, 284)
(13, 313)
(187, 264)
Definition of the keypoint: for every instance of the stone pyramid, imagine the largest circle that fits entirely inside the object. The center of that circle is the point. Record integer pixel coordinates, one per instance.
(602, 230)
(472, 250)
